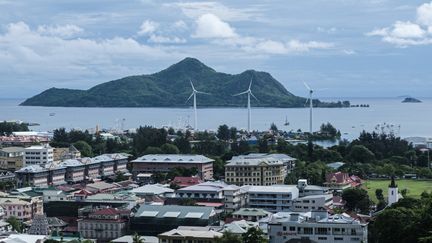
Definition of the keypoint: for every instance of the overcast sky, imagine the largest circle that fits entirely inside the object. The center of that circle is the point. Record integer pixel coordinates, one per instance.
(342, 48)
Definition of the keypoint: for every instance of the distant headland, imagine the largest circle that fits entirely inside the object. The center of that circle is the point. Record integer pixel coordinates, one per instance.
(171, 88)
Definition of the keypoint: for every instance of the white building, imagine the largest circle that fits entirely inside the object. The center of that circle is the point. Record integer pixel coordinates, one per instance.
(235, 198)
(274, 198)
(312, 202)
(205, 190)
(393, 194)
(315, 226)
(38, 155)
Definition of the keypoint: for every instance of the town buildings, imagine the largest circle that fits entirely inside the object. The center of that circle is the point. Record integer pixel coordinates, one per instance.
(23, 208)
(104, 224)
(11, 158)
(153, 163)
(339, 181)
(259, 170)
(315, 226)
(38, 155)
(189, 235)
(235, 198)
(155, 219)
(276, 198)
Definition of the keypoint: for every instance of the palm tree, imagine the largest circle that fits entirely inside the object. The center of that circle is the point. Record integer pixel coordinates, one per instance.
(137, 238)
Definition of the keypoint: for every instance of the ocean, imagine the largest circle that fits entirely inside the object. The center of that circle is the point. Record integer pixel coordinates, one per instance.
(404, 119)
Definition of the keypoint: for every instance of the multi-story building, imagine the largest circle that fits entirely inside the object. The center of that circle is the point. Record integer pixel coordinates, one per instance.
(286, 159)
(153, 219)
(312, 202)
(189, 235)
(315, 226)
(23, 208)
(74, 170)
(104, 224)
(38, 155)
(11, 158)
(153, 163)
(34, 175)
(56, 174)
(274, 198)
(251, 214)
(235, 198)
(106, 165)
(66, 153)
(211, 191)
(255, 170)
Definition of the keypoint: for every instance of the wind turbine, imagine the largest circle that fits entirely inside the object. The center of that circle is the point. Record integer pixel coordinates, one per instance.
(249, 93)
(310, 106)
(194, 92)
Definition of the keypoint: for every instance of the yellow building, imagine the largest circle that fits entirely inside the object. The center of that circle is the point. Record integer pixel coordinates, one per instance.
(259, 170)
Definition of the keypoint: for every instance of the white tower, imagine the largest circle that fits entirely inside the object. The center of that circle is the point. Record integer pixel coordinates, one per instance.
(393, 194)
(249, 94)
(194, 92)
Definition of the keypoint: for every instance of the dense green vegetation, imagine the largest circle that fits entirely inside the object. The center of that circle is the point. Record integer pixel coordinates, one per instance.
(171, 87)
(409, 220)
(6, 128)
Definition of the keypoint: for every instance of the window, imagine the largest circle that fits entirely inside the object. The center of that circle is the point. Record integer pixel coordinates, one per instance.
(308, 230)
(322, 238)
(292, 228)
(338, 238)
(355, 239)
(284, 228)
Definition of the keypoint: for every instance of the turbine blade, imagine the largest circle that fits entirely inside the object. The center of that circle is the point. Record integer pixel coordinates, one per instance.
(193, 88)
(190, 97)
(307, 86)
(244, 92)
(254, 96)
(200, 92)
(306, 101)
(250, 84)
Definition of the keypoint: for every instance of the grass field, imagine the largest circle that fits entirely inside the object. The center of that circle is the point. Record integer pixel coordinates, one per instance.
(415, 187)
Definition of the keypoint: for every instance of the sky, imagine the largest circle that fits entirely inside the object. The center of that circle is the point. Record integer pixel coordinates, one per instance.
(341, 48)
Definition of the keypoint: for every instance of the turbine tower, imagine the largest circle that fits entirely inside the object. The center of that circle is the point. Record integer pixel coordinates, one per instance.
(249, 94)
(310, 106)
(194, 92)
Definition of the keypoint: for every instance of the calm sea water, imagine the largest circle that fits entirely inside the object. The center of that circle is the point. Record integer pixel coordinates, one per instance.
(413, 119)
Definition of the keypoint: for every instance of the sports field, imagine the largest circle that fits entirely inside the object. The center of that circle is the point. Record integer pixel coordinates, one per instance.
(415, 187)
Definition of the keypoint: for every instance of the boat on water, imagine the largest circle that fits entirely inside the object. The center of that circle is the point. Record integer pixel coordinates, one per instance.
(286, 122)
(52, 114)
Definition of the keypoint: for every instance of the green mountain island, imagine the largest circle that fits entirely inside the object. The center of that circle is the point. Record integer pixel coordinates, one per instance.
(171, 88)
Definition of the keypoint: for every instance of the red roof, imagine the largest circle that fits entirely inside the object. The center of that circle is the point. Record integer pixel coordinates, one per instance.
(210, 204)
(83, 192)
(343, 178)
(107, 211)
(186, 181)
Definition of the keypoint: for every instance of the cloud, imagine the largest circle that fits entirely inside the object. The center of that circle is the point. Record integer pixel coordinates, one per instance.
(65, 31)
(148, 27)
(180, 25)
(27, 53)
(196, 9)
(211, 26)
(424, 14)
(166, 40)
(407, 33)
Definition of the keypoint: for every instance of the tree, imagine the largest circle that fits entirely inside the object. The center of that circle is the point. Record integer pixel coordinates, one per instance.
(263, 146)
(148, 136)
(170, 149)
(223, 133)
(15, 224)
(379, 194)
(356, 199)
(85, 149)
(233, 133)
(183, 145)
(152, 150)
(361, 154)
(137, 238)
(254, 235)
(228, 237)
(273, 128)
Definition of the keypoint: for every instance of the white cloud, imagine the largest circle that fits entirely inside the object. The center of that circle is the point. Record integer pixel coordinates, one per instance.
(180, 25)
(65, 31)
(196, 9)
(211, 26)
(166, 39)
(424, 14)
(148, 27)
(406, 33)
(26, 53)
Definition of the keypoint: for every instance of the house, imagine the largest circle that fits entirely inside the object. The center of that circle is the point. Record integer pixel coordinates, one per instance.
(104, 224)
(315, 226)
(255, 170)
(11, 158)
(155, 219)
(22, 208)
(339, 181)
(154, 163)
(181, 181)
(189, 234)
(70, 152)
(250, 214)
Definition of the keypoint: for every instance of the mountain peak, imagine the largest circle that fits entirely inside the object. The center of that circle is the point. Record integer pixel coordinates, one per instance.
(189, 64)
